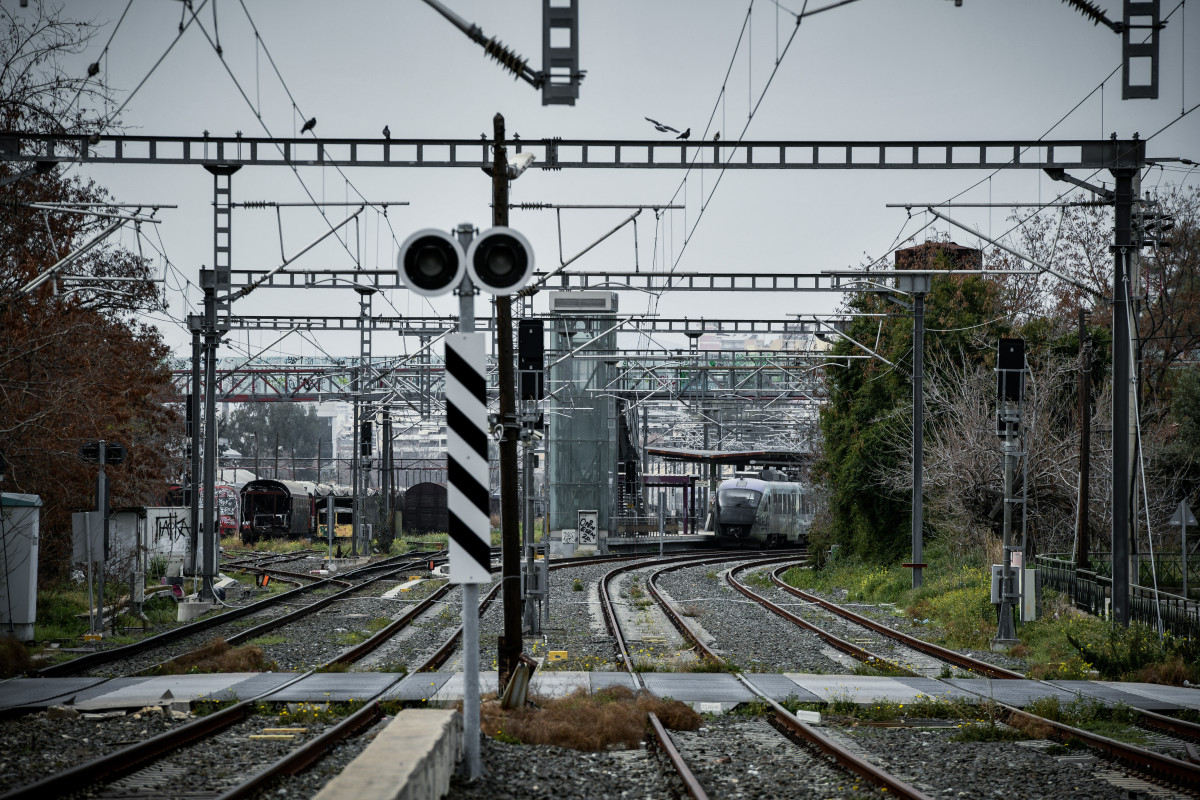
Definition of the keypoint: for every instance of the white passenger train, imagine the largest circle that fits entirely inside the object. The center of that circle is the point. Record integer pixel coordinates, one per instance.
(766, 511)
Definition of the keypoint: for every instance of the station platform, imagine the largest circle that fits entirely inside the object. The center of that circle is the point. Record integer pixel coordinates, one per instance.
(707, 692)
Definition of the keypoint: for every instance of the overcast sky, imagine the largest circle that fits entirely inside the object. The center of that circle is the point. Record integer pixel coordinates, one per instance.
(870, 70)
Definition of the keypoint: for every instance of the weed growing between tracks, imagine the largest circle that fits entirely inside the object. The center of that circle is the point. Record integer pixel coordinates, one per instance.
(218, 656)
(611, 717)
(1116, 722)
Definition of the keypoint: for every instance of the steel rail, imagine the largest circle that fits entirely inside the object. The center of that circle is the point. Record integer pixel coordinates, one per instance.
(370, 645)
(292, 616)
(1161, 767)
(937, 651)
(790, 725)
(610, 615)
(290, 574)
(121, 762)
(853, 650)
(1146, 718)
(690, 783)
(308, 753)
(443, 652)
(92, 660)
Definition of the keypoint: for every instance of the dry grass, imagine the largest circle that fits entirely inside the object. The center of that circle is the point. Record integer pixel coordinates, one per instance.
(610, 718)
(14, 658)
(218, 656)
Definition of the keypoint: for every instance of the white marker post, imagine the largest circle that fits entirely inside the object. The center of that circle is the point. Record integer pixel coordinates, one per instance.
(467, 501)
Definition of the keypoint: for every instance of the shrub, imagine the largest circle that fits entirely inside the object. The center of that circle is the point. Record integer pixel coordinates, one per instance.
(615, 716)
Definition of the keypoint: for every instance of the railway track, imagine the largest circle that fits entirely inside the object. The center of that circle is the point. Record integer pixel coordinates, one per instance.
(844, 758)
(224, 625)
(1156, 767)
(1182, 730)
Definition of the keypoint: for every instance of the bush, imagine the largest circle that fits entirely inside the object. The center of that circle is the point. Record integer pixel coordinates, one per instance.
(614, 716)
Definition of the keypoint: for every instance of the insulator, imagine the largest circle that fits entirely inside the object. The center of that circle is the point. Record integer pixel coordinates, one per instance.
(1089, 10)
(510, 60)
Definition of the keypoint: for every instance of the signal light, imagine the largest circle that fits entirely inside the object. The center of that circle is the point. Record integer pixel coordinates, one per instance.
(500, 260)
(431, 262)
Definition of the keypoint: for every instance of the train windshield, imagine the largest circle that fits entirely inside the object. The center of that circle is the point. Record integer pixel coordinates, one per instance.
(739, 498)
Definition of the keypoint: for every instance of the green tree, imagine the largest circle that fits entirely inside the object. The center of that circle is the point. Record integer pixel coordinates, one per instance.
(76, 364)
(287, 434)
(870, 403)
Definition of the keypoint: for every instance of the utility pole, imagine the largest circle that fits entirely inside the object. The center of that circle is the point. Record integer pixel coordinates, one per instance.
(1123, 380)
(511, 642)
(1082, 543)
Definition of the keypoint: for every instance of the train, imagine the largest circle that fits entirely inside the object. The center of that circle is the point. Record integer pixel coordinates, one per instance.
(284, 509)
(764, 511)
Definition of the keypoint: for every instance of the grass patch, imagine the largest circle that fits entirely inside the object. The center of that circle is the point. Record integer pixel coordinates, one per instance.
(985, 732)
(204, 707)
(351, 638)
(1116, 722)
(577, 586)
(268, 640)
(57, 610)
(759, 579)
(708, 665)
(218, 656)
(954, 600)
(612, 717)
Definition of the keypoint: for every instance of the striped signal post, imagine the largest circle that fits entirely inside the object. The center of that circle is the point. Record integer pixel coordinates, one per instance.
(467, 501)
(467, 495)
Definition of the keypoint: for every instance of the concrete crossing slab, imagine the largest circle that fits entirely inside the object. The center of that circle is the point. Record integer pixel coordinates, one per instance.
(43, 692)
(256, 684)
(603, 680)
(1112, 694)
(1013, 693)
(860, 689)
(1181, 696)
(452, 690)
(722, 689)
(557, 683)
(704, 691)
(780, 687)
(152, 691)
(418, 687)
(335, 687)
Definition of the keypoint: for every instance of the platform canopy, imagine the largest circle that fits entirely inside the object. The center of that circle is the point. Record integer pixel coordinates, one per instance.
(740, 458)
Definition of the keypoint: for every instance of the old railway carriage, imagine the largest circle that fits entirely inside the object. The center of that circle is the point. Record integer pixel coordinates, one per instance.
(276, 509)
(762, 513)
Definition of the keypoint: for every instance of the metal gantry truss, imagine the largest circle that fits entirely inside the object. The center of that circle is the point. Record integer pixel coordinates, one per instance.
(1124, 159)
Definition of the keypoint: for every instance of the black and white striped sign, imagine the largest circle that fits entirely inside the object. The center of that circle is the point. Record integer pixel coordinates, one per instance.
(467, 495)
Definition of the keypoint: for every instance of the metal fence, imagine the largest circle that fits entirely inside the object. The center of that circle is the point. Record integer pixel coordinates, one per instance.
(1091, 591)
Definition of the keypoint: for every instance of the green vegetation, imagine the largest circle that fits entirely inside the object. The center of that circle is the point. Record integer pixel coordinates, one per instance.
(268, 640)
(1117, 722)
(611, 718)
(577, 586)
(952, 608)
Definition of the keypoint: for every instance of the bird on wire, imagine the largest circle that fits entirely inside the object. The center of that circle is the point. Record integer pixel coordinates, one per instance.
(308, 126)
(387, 132)
(660, 127)
(717, 136)
(685, 134)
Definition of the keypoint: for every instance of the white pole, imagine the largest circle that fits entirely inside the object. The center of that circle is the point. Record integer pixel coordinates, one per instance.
(470, 616)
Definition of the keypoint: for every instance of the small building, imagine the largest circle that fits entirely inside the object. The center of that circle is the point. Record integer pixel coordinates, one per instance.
(20, 517)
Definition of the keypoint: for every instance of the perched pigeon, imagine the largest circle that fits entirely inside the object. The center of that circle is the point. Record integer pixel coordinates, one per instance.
(387, 132)
(308, 126)
(685, 134)
(661, 128)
